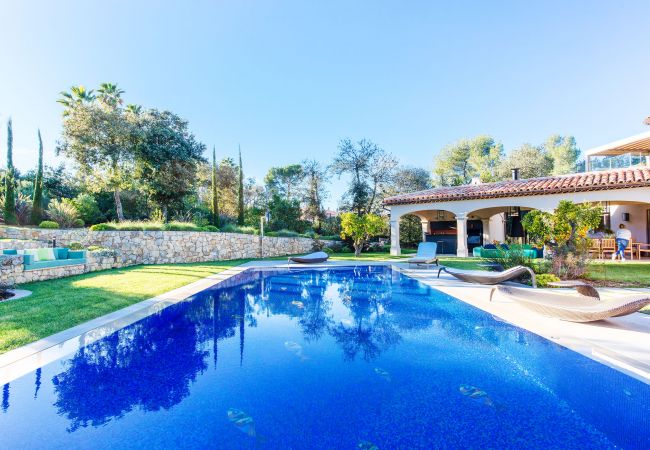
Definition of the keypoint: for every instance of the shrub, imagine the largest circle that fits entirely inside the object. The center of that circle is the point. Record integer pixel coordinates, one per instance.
(103, 227)
(76, 246)
(78, 223)
(512, 257)
(232, 228)
(48, 224)
(545, 278)
(210, 228)
(288, 233)
(181, 226)
(62, 212)
(334, 237)
(87, 208)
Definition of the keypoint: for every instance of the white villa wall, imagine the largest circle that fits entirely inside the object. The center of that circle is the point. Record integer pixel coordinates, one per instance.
(637, 224)
(497, 228)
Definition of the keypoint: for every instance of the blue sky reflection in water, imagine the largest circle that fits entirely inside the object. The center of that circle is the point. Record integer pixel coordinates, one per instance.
(337, 358)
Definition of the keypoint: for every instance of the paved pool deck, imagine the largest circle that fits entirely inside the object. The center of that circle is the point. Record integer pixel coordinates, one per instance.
(622, 343)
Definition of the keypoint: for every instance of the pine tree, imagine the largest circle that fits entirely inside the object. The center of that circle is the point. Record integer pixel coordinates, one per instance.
(215, 194)
(37, 201)
(240, 215)
(10, 195)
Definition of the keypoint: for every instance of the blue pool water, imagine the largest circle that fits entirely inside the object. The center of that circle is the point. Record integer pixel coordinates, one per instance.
(340, 358)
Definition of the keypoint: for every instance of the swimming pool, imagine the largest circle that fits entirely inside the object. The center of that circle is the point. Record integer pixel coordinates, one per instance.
(349, 357)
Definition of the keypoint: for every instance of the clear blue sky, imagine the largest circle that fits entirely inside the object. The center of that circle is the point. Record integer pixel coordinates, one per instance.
(289, 79)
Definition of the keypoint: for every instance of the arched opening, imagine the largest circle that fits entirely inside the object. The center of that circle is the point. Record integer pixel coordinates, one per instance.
(440, 226)
(501, 224)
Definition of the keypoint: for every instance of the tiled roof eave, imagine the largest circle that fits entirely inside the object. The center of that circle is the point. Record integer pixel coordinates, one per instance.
(522, 193)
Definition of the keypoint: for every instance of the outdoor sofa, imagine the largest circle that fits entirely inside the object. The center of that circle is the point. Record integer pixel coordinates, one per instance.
(46, 258)
(493, 251)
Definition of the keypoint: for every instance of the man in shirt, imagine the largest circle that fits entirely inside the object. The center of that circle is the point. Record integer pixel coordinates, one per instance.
(623, 237)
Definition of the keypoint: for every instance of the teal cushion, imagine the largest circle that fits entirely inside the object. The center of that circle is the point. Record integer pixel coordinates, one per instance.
(10, 252)
(61, 252)
(76, 254)
(55, 263)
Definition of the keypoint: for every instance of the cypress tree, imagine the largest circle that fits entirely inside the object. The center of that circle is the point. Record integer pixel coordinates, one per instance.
(37, 201)
(10, 195)
(240, 209)
(215, 194)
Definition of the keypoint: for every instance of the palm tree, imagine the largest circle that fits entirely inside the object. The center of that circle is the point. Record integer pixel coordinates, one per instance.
(134, 109)
(78, 95)
(110, 94)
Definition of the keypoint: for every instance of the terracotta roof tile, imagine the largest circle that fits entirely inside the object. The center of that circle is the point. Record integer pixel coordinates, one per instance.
(589, 181)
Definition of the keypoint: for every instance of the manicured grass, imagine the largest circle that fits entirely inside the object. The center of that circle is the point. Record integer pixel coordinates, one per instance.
(56, 305)
(625, 274)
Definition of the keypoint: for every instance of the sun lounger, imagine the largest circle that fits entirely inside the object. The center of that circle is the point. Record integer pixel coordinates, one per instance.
(426, 254)
(485, 277)
(573, 308)
(312, 258)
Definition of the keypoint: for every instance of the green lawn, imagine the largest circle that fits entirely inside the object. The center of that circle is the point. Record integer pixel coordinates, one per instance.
(627, 274)
(56, 305)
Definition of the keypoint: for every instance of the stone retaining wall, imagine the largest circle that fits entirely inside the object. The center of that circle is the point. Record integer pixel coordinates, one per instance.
(12, 269)
(151, 247)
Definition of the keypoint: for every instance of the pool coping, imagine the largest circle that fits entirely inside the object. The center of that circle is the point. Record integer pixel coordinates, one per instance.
(20, 361)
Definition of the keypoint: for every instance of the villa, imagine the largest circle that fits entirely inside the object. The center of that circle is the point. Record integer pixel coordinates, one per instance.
(460, 218)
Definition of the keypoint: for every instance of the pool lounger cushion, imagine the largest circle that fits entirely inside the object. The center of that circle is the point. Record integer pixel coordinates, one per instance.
(485, 277)
(573, 308)
(426, 254)
(312, 258)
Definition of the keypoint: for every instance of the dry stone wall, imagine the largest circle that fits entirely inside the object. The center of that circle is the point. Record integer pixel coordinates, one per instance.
(142, 247)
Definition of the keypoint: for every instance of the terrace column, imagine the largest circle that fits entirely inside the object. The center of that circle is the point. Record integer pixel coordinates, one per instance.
(425, 229)
(461, 228)
(394, 237)
(486, 231)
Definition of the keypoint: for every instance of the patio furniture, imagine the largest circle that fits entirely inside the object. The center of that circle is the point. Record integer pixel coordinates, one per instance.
(493, 267)
(47, 258)
(426, 254)
(584, 289)
(594, 248)
(312, 258)
(485, 277)
(573, 308)
(607, 246)
(492, 251)
(641, 248)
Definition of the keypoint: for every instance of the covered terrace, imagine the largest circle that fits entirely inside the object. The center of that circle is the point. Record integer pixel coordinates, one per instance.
(462, 217)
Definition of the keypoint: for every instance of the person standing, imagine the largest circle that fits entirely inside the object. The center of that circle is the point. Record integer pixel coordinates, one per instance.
(623, 237)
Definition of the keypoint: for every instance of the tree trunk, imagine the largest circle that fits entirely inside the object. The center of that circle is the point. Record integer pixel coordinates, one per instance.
(118, 205)
(357, 249)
